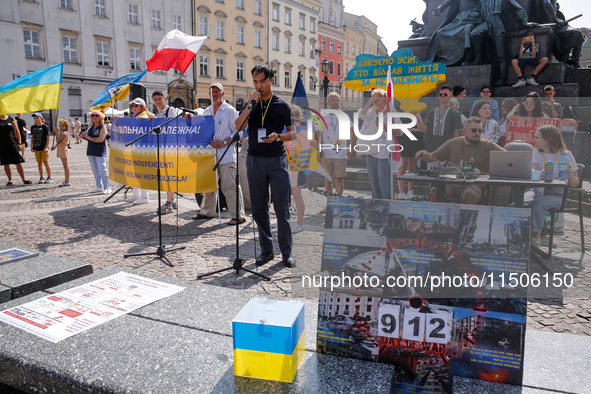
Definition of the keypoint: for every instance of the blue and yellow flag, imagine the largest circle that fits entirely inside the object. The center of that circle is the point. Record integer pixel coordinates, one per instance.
(118, 89)
(33, 92)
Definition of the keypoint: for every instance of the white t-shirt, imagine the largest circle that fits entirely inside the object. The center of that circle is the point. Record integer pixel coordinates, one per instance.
(331, 136)
(369, 128)
(538, 157)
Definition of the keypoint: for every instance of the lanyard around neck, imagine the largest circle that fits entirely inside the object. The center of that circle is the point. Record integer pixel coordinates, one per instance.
(265, 114)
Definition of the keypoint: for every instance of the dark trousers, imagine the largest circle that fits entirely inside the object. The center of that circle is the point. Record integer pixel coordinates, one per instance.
(263, 172)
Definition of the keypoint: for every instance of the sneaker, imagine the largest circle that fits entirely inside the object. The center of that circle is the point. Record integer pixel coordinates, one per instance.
(41, 180)
(108, 191)
(175, 204)
(63, 184)
(401, 196)
(410, 195)
(141, 201)
(49, 180)
(520, 83)
(296, 228)
(536, 242)
(165, 209)
(132, 199)
(97, 190)
(532, 81)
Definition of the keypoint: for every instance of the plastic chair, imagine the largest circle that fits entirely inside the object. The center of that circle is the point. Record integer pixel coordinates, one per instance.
(553, 211)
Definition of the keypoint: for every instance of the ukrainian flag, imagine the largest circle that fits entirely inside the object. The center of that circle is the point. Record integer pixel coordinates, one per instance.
(33, 92)
(118, 89)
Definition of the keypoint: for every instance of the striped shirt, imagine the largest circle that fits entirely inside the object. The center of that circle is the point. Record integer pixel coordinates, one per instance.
(225, 126)
(168, 112)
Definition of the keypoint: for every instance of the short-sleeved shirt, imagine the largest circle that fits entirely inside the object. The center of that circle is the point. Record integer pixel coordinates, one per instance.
(330, 136)
(527, 50)
(20, 122)
(557, 108)
(541, 158)
(441, 126)
(277, 117)
(456, 150)
(225, 126)
(39, 136)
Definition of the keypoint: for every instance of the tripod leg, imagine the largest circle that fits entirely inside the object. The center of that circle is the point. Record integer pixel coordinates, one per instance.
(113, 194)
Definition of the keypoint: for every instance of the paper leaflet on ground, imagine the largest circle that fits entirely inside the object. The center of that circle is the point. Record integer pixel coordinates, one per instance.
(62, 315)
(430, 335)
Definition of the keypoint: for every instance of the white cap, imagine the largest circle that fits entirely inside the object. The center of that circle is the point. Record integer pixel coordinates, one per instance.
(217, 85)
(139, 101)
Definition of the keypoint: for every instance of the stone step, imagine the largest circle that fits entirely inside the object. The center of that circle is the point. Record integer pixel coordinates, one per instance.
(564, 90)
(553, 73)
(581, 76)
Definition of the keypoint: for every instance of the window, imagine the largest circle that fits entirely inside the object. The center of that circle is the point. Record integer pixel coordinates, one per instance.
(258, 9)
(240, 71)
(369, 308)
(32, 46)
(311, 86)
(102, 54)
(275, 80)
(257, 39)
(135, 55)
(287, 16)
(302, 48)
(99, 8)
(346, 68)
(220, 71)
(353, 49)
(276, 41)
(331, 46)
(339, 48)
(287, 79)
(347, 48)
(312, 25)
(275, 12)
(356, 24)
(338, 68)
(219, 1)
(177, 21)
(203, 26)
(70, 49)
(312, 51)
(220, 30)
(331, 67)
(67, 4)
(156, 18)
(240, 4)
(203, 66)
(323, 45)
(302, 21)
(133, 14)
(240, 35)
(288, 44)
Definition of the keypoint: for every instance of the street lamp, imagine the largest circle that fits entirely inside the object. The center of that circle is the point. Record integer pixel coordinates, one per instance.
(325, 81)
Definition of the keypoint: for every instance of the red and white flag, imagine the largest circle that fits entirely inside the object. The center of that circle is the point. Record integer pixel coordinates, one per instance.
(176, 50)
(396, 158)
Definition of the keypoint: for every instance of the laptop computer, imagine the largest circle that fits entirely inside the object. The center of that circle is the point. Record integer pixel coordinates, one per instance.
(510, 165)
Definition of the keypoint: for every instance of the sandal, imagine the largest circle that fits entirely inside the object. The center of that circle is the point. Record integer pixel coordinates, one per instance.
(27, 182)
(200, 216)
(233, 221)
(9, 183)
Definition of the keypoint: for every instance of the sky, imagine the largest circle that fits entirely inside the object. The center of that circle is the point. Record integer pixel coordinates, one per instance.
(394, 24)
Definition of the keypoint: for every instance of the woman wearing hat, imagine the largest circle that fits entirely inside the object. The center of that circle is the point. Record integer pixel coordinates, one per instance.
(138, 107)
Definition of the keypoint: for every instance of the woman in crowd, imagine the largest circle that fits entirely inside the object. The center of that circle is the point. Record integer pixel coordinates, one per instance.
(506, 106)
(549, 147)
(490, 128)
(97, 151)
(10, 140)
(531, 107)
(485, 94)
(62, 143)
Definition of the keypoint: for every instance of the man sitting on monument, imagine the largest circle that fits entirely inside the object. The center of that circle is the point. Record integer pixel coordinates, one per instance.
(528, 56)
(470, 148)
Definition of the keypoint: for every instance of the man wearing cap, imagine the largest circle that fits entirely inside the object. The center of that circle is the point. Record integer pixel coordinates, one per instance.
(225, 127)
(267, 163)
(139, 196)
(165, 111)
(40, 146)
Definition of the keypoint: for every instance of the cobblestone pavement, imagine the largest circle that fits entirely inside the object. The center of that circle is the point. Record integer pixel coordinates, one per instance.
(73, 223)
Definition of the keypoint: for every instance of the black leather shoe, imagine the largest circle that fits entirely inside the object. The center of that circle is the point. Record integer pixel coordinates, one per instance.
(288, 261)
(264, 258)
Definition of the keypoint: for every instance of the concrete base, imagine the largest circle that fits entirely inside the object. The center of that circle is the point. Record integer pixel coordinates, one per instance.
(553, 73)
(183, 344)
(581, 76)
(37, 273)
(5, 294)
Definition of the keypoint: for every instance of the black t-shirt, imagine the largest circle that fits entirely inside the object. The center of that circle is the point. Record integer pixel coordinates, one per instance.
(277, 117)
(21, 126)
(39, 136)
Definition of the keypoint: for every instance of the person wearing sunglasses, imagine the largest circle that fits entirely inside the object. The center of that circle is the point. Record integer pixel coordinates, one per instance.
(485, 95)
(138, 107)
(469, 148)
(96, 150)
(443, 123)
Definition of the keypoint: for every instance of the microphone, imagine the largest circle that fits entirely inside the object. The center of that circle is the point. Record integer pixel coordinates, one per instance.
(191, 111)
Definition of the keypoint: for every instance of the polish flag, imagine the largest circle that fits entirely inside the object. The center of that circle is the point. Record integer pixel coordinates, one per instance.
(176, 50)
(396, 157)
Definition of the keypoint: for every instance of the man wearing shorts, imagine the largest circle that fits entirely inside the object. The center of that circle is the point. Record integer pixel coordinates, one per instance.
(40, 139)
(528, 56)
(335, 157)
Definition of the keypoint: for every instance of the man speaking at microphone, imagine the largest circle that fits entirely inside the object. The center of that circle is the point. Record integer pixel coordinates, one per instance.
(267, 163)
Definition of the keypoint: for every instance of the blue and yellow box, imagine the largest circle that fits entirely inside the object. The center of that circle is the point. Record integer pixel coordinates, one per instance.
(269, 339)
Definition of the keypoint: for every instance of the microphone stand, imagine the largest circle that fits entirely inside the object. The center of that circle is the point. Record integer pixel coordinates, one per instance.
(238, 262)
(160, 252)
